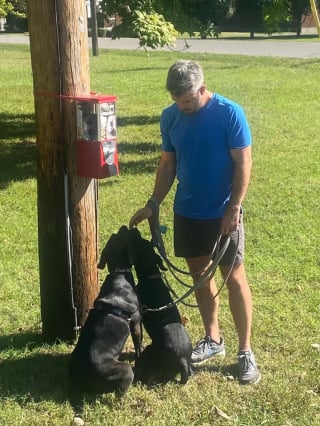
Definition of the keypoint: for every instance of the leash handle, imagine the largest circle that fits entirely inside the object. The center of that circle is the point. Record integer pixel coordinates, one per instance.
(198, 284)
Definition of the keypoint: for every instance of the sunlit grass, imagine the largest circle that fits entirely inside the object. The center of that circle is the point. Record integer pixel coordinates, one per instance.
(281, 100)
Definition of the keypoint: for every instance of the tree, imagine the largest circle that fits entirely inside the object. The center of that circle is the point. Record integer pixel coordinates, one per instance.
(270, 15)
(16, 14)
(298, 9)
(5, 8)
(208, 13)
(275, 13)
(248, 15)
(186, 15)
(126, 10)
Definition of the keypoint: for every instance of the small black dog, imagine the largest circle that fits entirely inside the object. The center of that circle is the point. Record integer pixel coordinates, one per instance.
(94, 365)
(170, 351)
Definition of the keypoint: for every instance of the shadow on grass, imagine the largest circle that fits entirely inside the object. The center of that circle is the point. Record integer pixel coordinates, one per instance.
(127, 70)
(37, 377)
(19, 341)
(149, 155)
(17, 154)
(140, 120)
(139, 167)
(18, 126)
(143, 147)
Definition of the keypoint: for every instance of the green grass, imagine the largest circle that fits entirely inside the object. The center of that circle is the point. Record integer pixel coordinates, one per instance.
(281, 100)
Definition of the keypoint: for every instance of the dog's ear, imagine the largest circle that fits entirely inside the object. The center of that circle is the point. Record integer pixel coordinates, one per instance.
(104, 254)
(135, 233)
(134, 238)
(123, 230)
(124, 234)
(102, 262)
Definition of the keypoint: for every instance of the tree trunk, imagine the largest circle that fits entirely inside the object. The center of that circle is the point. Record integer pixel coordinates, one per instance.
(66, 203)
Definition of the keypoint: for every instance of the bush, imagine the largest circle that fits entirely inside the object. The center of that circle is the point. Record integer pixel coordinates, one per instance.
(16, 24)
(153, 30)
(209, 30)
(102, 32)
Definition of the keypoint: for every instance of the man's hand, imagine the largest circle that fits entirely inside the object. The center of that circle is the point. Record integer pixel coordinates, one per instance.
(230, 220)
(139, 216)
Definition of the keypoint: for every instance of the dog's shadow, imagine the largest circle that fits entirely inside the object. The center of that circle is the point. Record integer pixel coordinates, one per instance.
(41, 373)
(34, 371)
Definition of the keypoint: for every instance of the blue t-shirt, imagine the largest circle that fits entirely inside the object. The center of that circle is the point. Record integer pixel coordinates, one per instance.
(202, 142)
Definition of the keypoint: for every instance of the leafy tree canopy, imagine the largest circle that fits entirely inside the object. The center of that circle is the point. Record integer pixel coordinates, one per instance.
(186, 15)
(15, 7)
(5, 7)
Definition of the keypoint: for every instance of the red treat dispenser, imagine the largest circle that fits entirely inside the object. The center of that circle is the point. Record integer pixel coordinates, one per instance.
(97, 136)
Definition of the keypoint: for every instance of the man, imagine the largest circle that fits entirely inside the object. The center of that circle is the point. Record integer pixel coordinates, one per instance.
(206, 145)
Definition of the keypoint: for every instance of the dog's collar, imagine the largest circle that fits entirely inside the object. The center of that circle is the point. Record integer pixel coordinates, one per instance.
(154, 276)
(113, 310)
(121, 271)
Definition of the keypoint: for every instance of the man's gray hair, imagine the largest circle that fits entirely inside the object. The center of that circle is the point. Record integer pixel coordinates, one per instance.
(184, 76)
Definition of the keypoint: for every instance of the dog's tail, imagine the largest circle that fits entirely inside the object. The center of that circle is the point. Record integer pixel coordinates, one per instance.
(185, 371)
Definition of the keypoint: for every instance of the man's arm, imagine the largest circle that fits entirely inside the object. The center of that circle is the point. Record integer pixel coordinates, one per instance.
(241, 178)
(165, 176)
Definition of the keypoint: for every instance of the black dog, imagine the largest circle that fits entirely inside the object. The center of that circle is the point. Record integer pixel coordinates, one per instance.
(170, 351)
(94, 365)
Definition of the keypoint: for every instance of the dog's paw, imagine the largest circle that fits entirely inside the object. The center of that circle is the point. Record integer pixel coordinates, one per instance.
(77, 421)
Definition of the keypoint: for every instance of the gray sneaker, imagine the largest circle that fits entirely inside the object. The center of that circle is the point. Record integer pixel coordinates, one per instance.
(206, 349)
(248, 370)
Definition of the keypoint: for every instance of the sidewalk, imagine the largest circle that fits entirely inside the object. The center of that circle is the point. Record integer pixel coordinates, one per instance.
(251, 47)
(275, 48)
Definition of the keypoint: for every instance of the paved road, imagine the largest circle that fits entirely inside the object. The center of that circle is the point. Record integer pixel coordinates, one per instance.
(272, 47)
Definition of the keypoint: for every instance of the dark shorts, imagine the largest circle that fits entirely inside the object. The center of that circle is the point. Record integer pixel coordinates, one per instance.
(196, 237)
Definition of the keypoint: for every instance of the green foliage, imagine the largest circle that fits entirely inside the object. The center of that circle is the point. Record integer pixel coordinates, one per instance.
(5, 7)
(208, 30)
(126, 10)
(206, 16)
(102, 32)
(206, 11)
(186, 15)
(274, 14)
(298, 10)
(153, 30)
(15, 13)
(270, 15)
(17, 8)
(282, 223)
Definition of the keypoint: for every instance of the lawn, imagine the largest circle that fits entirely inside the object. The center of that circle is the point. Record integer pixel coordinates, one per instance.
(281, 100)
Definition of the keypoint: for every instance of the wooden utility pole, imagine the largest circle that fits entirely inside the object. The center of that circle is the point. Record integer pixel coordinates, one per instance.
(94, 29)
(67, 204)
